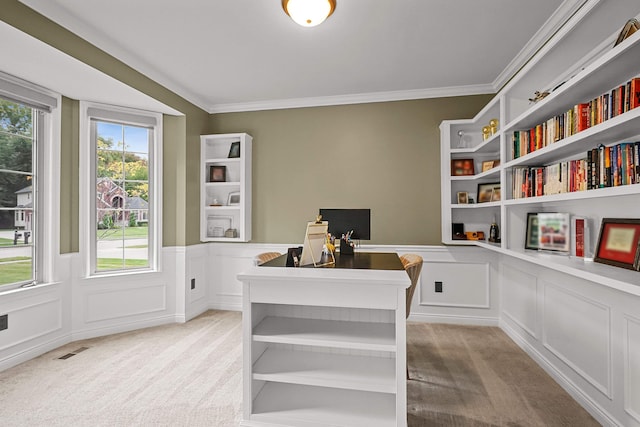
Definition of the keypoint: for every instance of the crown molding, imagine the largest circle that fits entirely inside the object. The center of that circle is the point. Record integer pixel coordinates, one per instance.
(564, 12)
(361, 98)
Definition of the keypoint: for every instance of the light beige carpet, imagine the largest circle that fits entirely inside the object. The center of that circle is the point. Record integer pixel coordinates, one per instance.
(190, 375)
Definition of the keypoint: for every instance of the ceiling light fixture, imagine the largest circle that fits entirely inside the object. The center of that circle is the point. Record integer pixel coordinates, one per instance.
(309, 13)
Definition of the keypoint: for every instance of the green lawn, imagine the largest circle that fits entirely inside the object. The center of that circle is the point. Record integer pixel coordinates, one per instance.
(116, 263)
(13, 272)
(129, 233)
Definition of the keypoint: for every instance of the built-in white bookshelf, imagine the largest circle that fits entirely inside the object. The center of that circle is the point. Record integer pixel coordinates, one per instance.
(577, 65)
(225, 187)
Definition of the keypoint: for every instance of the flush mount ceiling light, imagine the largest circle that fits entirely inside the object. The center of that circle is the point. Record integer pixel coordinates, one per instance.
(309, 13)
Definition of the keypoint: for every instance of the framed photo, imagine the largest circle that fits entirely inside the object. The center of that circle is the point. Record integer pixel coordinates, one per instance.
(490, 164)
(234, 151)
(234, 198)
(463, 197)
(462, 167)
(217, 225)
(554, 230)
(488, 192)
(531, 238)
(217, 173)
(619, 243)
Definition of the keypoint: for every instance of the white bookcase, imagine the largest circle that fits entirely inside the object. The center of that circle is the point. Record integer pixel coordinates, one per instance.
(578, 64)
(324, 347)
(225, 187)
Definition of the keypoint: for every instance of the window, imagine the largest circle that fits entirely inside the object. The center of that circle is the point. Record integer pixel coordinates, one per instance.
(26, 213)
(122, 189)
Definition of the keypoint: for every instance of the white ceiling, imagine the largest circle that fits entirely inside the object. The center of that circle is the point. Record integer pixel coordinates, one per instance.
(237, 55)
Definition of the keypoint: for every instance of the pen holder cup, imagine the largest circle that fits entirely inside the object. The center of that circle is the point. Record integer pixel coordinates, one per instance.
(345, 248)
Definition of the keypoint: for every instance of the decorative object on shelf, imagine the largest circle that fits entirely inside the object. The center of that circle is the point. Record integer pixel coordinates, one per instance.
(490, 164)
(554, 231)
(216, 225)
(462, 167)
(309, 13)
(486, 132)
(461, 143)
(234, 150)
(537, 96)
(493, 126)
(475, 235)
(494, 232)
(619, 243)
(488, 192)
(231, 233)
(580, 242)
(217, 173)
(457, 231)
(629, 28)
(463, 197)
(215, 202)
(234, 198)
(531, 238)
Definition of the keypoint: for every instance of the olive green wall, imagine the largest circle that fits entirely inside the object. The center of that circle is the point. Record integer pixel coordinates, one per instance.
(181, 142)
(69, 167)
(383, 156)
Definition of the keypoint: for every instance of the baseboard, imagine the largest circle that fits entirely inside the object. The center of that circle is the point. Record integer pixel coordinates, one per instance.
(453, 319)
(596, 411)
(225, 307)
(33, 352)
(125, 327)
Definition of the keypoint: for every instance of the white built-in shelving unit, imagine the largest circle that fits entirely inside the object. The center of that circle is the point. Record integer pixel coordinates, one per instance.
(575, 66)
(225, 206)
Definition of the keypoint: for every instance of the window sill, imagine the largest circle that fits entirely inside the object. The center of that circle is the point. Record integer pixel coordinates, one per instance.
(29, 288)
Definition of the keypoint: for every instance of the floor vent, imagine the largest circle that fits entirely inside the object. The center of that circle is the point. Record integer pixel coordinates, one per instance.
(73, 353)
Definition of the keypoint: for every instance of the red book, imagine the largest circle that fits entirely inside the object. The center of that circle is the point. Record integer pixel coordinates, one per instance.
(582, 117)
(634, 96)
(579, 236)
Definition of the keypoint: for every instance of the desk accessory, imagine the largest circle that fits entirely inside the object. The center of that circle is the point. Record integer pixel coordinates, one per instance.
(314, 241)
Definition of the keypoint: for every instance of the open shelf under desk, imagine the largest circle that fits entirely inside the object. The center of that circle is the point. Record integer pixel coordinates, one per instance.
(327, 333)
(376, 374)
(290, 404)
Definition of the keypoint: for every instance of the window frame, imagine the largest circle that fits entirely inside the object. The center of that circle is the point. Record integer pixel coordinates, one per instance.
(91, 112)
(46, 182)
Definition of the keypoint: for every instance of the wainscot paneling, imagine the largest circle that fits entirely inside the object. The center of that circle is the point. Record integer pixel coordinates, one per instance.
(117, 303)
(461, 284)
(632, 367)
(577, 330)
(519, 296)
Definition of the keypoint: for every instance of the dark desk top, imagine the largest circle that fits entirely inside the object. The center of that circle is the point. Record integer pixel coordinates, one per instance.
(359, 260)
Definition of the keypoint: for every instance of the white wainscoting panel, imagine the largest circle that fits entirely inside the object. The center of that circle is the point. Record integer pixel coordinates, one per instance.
(519, 300)
(32, 320)
(464, 284)
(577, 330)
(116, 303)
(632, 367)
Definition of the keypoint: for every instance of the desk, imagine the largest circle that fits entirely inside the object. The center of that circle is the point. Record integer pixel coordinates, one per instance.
(325, 346)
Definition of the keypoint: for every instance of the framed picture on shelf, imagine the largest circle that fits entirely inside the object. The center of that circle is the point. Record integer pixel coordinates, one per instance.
(217, 173)
(531, 238)
(462, 167)
(234, 198)
(619, 243)
(234, 151)
(488, 192)
(490, 164)
(554, 231)
(463, 197)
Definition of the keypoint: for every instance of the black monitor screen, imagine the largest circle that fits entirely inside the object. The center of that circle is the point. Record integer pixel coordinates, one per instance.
(341, 221)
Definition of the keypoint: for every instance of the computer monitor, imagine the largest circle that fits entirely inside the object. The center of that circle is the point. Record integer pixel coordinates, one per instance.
(341, 221)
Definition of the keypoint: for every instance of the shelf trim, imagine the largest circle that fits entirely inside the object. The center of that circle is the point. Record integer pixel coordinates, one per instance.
(623, 190)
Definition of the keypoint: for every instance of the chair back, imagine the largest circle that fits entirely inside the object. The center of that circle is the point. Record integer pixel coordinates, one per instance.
(266, 256)
(413, 266)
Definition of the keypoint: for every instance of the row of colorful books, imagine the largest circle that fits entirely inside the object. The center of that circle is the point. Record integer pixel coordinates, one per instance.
(582, 116)
(604, 166)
